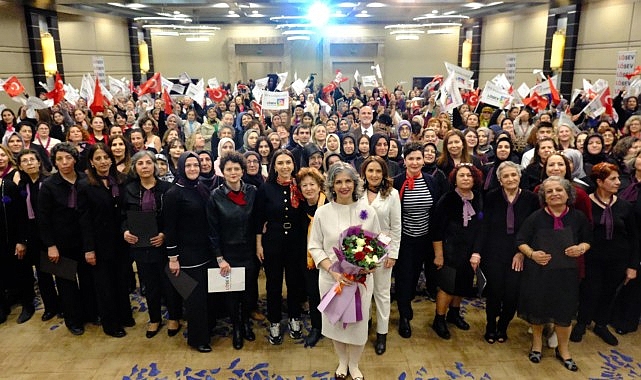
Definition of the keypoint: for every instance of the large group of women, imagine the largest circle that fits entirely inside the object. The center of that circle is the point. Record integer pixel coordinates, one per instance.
(544, 205)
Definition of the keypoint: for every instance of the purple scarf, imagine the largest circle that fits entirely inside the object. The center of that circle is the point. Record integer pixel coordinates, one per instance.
(72, 198)
(468, 210)
(558, 220)
(148, 201)
(510, 211)
(606, 217)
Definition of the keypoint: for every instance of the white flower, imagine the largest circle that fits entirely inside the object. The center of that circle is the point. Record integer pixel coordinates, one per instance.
(360, 242)
(375, 258)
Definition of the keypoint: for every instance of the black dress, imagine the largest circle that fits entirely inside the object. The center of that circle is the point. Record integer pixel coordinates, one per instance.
(498, 247)
(458, 240)
(550, 294)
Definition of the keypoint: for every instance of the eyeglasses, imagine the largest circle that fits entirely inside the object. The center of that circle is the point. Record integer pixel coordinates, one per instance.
(252, 162)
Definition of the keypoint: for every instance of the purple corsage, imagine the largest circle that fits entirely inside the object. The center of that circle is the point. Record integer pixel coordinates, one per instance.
(363, 215)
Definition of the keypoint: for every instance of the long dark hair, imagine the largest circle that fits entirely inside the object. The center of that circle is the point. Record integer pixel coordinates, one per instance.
(272, 172)
(92, 176)
(385, 187)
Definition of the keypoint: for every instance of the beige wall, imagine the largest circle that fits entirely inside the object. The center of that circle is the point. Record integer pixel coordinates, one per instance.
(520, 33)
(83, 36)
(14, 46)
(607, 27)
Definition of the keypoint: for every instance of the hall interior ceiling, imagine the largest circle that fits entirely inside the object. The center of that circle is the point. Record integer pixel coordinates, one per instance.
(382, 12)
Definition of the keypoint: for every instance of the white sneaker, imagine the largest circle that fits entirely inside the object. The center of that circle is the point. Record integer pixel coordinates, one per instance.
(295, 328)
(275, 337)
(553, 341)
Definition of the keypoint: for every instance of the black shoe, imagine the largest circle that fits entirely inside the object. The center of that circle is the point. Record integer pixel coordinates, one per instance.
(457, 320)
(501, 336)
(577, 332)
(173, 332)
(117, 333)
(381, 344)
(535, 356)
(404, 328)
(76, 330)
(48, 315)
(152, 333)
(440, 327)
(313, 337)
(569, 364)
(25, 314)
(248, 333)
(237, 338)
(490, 337)
(605, 334)
(130, 322)
(204, 348)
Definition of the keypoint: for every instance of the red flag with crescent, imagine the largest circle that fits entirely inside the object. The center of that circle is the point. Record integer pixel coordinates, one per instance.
(473, 98)
(98, 104)
(58, 92)
(13, 87)
(536, 102)
(169, 109)
(257, 108)
(606, 101)
(216, 94)
(556, 98)
(152, 86)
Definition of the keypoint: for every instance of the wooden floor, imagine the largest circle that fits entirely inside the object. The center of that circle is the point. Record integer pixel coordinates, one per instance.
(46, 350)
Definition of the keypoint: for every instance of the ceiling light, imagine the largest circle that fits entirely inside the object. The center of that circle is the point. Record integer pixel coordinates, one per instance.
(181, 27)
(160, 18)
(297, 32)
(407, 31)
(243, 6)
(363, 14)
(443, 16)
(435, 11)
(449, 13)
(197, 39)
(283, 26)
(232, 14)
(164, 33)
(135, 6)
(255, 14)
(376, 5)
(407, 37)
(440, 31)
(298, 38)
(399, 26)
(220, 5)
(318, 14)
(473, 5)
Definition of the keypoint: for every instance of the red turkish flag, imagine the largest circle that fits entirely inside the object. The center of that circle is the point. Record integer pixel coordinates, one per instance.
(536, 102)
(556, 98)
(58, 92)
(98, 104)
(329, 88)
(257, 108)
(606, 101)
(13, 87)
(153, 85)
(216, 94)
(473, 98)
(637, 71)
(169, 109)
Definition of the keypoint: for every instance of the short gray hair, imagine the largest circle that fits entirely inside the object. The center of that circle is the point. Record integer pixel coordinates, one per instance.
(505, 165)
(335, 170)
(139, 155)
(569, 189)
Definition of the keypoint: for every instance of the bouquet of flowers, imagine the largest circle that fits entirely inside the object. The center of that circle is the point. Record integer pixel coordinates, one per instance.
(358, 252)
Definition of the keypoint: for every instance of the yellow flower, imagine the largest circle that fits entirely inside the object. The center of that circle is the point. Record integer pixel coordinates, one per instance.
(360, 242)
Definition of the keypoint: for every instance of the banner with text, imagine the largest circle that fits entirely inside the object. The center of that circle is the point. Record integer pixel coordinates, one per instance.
(625, 65)
(275, 100)
(510, 67)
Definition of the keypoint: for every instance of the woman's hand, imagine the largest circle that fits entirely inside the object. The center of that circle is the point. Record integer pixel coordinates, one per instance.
(90, 258)
(340, 278)
(438, 261)
(541, 257)
(174, 267)
(21, 251)
(630, 274)
(389, 263)
(53, 254)
(157, 240)
(259, 252)
(225, 268)
(475, 260)
(517, 262)
(130, 238)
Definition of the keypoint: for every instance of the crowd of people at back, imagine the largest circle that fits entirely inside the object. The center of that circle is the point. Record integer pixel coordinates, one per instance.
(545, 204)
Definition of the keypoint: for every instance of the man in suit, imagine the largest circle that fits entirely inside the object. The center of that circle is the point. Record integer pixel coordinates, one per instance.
(303, 134)
(365, 116)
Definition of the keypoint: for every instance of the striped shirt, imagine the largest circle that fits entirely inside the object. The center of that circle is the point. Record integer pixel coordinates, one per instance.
(415, 212)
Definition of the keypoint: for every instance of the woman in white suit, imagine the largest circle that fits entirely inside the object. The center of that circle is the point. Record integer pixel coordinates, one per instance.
(379, 193)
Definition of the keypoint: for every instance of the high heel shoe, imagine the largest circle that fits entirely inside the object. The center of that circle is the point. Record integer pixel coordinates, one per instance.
(569, 363)
(152, 333)
(173, 332)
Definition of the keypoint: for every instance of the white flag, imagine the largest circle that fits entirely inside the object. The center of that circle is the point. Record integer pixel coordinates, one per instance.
(495, 96)
(213, 82)
(117, 86)
(377, 70)
(356, 75)
(166, 83)
(523, 90)
(282, 80)
(450, 95)
(298, 86)
(369, 81)
(87, 88)
(261, 83)
(462, 77)
(184, 78)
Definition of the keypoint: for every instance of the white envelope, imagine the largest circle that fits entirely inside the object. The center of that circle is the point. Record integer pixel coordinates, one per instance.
(233, 282)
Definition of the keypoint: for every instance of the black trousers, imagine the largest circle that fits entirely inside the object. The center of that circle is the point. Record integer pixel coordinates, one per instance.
(627, 307)
(289, 256)
(78, 297)
(413, 252)
(153, 277)
(46, 285)
(314, 297)
(19, 278)
(602, 277)
(112, 291)
(196, 307)
(502, 292)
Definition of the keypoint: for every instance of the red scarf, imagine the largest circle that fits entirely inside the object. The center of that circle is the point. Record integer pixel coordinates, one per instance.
(238, 197)
(409, 182)
(295, 196)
